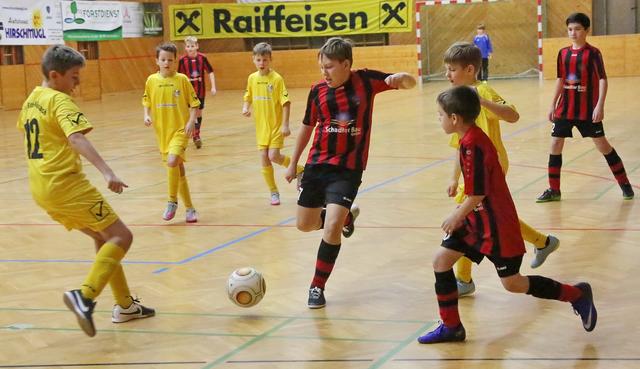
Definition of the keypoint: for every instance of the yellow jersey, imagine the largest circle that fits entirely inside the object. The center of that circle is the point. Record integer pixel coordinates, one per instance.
(47, 118)
(267, 94)
(169, 99)
(489, 123)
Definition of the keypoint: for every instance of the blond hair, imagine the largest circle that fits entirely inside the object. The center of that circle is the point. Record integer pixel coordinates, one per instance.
(191, 40)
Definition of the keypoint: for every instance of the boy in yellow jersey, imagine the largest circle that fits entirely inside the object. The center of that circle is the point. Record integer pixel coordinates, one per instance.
(462, 61)
(170, 104)
(55, 131)
(268, 95)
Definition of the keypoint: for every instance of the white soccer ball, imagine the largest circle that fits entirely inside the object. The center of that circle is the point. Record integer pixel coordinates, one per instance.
(246, 287)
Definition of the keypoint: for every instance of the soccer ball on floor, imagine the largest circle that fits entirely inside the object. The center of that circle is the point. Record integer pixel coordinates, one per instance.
(246, 287)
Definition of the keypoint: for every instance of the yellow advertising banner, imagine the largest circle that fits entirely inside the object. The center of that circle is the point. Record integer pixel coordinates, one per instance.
(289, 19)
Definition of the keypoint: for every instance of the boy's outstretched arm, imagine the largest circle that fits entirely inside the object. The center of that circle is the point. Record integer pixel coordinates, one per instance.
(304, 135)
(85, 148)
(503, 111)
(401, 80)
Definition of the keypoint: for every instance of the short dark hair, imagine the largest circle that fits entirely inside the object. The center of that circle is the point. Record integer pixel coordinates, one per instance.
(464, 53)
(480, 26)
(60, 58)
(462, 101)
(337, 48)
(579, 18)
(168, 47)
(262, 48)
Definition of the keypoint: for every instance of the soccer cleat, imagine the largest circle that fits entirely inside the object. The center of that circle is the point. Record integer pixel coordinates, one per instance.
(465, 289)
(316, 298)
(134, 311)
(540, 255)
(444, 334)
(585, 308)
(198, 142)
(170, 211)
(348, 228)
(549, 195)
(192, 215)
(275, 198)
(627, 191)
(82, 308)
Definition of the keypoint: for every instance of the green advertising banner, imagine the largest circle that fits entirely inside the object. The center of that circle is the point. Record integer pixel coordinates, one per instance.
(152, 19)
(91, 20)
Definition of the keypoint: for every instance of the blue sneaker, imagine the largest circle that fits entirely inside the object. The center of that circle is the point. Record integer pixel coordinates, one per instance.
(585, 308)
(444, 334)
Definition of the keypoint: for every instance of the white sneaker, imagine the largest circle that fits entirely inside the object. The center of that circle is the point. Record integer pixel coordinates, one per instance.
(134, 311)
(170, 211)
(192, 215)
(347, 229)
(275, 198)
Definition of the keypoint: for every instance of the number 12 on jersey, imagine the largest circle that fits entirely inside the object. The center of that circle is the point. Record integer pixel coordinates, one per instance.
(32, 131)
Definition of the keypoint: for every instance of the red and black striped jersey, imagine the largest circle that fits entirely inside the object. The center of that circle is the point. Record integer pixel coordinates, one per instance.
(492, 227)
(196, 69)
(342, 119)
(581, 71)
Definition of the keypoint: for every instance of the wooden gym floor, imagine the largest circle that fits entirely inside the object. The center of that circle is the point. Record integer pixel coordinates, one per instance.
(380, 296)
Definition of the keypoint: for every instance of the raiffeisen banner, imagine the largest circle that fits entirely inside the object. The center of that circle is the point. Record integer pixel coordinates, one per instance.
(289, 19)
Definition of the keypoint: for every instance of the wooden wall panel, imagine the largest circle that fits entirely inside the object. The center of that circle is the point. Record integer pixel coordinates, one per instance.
(620, 53)
(512, 26)
(125, 64)
(299, 67)
(13, 87)
(90, 81)
(557, 11)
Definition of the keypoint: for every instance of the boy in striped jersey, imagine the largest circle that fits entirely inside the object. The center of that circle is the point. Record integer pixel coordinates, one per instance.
(578, 102)
(339, 110)
(195, 65)
(486, 225)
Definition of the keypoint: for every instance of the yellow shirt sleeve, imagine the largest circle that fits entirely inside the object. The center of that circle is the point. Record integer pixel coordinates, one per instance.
(248, 93)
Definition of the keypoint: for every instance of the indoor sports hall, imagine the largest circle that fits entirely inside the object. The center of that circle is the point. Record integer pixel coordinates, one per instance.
(380, 297)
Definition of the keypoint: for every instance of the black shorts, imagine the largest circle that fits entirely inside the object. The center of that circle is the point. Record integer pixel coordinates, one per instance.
(328, 184)
(201, 103)
(505, 267)
(564, 127)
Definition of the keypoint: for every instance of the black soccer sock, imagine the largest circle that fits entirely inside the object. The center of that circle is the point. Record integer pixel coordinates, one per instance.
(617, 167)
(327, 255)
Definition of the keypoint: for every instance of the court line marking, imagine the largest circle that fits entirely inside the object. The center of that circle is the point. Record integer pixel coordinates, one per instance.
(249, 343)
(387, 356)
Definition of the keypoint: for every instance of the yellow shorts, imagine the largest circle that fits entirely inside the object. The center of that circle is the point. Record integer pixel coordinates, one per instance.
(270, 139)
(177, 146)
(83, 208)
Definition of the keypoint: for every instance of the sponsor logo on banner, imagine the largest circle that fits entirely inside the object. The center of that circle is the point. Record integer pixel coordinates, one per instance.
(33, 23)
(91, 20)
(289, 19)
